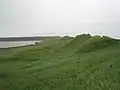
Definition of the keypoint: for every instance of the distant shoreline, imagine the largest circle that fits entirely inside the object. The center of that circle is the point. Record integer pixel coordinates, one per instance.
(10, 39)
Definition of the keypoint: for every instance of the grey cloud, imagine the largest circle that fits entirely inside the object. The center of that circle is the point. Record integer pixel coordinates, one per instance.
(59, 17)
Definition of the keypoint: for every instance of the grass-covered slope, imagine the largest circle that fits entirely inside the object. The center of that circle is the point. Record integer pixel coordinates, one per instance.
(80, 63)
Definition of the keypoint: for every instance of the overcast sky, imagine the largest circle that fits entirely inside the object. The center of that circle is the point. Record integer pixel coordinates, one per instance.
(59, 17)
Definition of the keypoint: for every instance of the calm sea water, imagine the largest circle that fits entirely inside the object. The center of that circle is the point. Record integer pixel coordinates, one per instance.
(16, 43)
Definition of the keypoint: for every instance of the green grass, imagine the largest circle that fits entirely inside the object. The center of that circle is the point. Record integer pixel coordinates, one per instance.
(80, 63)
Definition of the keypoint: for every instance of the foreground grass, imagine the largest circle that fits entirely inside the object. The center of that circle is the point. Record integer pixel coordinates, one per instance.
(80, 63)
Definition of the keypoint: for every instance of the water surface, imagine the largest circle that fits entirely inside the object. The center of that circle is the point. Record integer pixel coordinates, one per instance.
(16, 43)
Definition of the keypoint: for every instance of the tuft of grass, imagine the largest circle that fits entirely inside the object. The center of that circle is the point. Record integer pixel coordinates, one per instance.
(3, 75)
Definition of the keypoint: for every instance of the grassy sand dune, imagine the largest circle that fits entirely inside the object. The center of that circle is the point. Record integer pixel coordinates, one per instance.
(80, 63)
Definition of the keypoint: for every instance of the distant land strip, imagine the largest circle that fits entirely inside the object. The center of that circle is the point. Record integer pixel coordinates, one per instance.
(9, 39)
